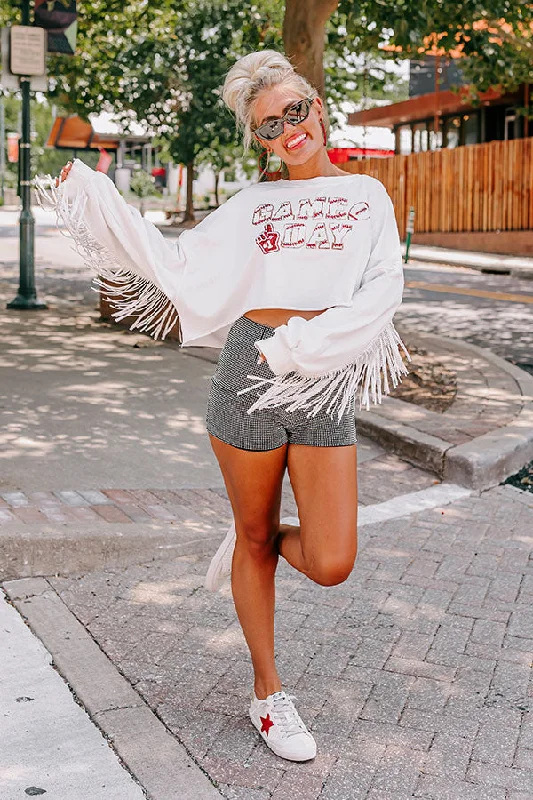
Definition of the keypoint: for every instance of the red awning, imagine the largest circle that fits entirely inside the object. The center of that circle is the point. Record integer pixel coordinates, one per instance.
(73, 133)
(425, 106)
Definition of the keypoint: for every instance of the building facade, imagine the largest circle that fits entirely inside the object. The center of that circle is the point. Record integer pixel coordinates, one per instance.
(442, 113)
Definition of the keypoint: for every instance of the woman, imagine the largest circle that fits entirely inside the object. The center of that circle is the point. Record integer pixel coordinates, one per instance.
(299, 280)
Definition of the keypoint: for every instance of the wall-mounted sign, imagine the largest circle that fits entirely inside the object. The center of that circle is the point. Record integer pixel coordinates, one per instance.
(27, 50)
(59, 19)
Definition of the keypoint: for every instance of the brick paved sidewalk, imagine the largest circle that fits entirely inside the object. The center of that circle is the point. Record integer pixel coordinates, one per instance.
(384, 476)
(415, 675)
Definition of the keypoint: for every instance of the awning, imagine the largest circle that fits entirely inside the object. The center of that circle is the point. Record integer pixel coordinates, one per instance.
(72, 132)
(425, 106)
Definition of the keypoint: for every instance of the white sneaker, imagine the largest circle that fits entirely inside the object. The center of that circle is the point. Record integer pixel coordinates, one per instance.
(290, 521)
(220, 566)
(281, 727)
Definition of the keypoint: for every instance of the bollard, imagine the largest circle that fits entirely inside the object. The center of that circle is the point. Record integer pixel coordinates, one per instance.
(409, 232)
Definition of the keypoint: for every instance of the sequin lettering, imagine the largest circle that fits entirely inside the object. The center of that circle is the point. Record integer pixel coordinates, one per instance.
(316, 223)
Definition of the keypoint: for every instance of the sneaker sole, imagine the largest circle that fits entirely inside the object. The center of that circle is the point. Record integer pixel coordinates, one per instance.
(290, 521)
(211, 580)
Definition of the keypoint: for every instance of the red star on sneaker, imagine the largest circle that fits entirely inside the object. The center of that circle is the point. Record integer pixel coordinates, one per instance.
(266, 724)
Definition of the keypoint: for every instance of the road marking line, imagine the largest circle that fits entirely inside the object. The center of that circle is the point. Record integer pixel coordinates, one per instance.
(441, 494)
(442, 287)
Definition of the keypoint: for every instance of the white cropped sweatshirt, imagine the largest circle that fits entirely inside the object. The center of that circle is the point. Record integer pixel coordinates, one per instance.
(321, 243)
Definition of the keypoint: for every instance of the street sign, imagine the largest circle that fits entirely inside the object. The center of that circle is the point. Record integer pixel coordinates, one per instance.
(27, 51)
(59, 19)
(38, 83)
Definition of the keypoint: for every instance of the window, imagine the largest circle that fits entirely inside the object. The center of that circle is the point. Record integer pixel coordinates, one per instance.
(405, 139)
(471, 128)
(453, 131)
(420, 137)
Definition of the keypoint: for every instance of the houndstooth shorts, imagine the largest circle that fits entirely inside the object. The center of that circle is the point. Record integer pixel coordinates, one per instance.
(264, 429)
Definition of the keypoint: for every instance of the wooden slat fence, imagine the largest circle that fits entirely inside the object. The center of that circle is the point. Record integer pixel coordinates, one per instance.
(482, 187)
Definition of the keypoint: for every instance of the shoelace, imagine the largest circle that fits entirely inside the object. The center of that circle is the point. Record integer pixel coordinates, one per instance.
(285, 714)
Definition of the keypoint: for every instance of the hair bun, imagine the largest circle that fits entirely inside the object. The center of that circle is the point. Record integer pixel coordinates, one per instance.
(251, 69)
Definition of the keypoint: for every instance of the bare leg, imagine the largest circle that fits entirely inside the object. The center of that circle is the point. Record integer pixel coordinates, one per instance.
(324, 481)
(254, 481)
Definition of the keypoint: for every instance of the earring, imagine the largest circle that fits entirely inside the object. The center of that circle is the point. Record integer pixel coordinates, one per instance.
(323, 130)
(264, 173)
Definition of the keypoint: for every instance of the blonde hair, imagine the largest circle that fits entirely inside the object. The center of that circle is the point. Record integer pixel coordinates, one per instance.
(252, 74)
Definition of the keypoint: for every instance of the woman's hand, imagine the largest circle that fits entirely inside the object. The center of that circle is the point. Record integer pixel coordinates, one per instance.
(260, 358)
(64, 172)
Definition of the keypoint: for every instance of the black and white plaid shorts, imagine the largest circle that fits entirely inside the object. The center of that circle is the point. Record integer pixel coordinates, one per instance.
(263, 429)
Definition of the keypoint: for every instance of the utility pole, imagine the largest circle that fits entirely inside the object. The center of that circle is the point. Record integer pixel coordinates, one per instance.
(27, 295)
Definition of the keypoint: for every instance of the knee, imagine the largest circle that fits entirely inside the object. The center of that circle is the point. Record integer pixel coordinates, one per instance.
(258, 539)
(332, 571)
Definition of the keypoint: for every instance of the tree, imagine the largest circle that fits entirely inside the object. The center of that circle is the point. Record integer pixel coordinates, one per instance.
(304, 27)
(495, 36)
(164, 67)
(209, 36)
(163, 64)
(43, 159)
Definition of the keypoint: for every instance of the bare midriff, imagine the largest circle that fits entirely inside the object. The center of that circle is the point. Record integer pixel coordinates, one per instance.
(274, 317)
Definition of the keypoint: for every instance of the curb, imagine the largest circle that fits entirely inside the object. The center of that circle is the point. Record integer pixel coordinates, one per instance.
(491, 263)
(483, 462)
(151, 753)
(48, 739)
(75, 549)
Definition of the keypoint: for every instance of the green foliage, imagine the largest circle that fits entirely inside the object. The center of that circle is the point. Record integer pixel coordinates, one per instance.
(142, 184)
(163, 63)
(499, 53)
(182, 98)
(351, 74)
(10, 179)
(43, 159)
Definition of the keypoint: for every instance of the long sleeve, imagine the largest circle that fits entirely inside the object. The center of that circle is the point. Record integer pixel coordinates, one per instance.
(350, 348)
(144, 276)
(138, 270)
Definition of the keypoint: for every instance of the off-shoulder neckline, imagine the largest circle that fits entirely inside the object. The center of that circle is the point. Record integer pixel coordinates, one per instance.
(290, 181)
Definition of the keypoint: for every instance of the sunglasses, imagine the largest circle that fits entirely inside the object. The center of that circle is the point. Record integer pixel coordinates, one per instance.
(297, 113)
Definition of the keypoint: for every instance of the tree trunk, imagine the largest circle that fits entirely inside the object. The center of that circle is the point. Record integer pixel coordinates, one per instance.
(303, 37)
(189, 205)
(217, 179)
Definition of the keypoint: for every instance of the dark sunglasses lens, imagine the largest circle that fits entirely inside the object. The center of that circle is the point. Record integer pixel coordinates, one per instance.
(271, 130)
(299, 112)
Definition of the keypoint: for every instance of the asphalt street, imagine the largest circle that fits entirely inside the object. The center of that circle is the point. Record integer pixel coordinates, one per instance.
(494, 311)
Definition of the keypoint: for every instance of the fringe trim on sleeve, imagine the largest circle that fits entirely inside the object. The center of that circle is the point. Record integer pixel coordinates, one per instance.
(128, 292)
(367, 377)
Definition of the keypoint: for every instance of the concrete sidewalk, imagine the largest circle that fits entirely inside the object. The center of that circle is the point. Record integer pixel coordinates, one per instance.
(49, 743)
(414, 675)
